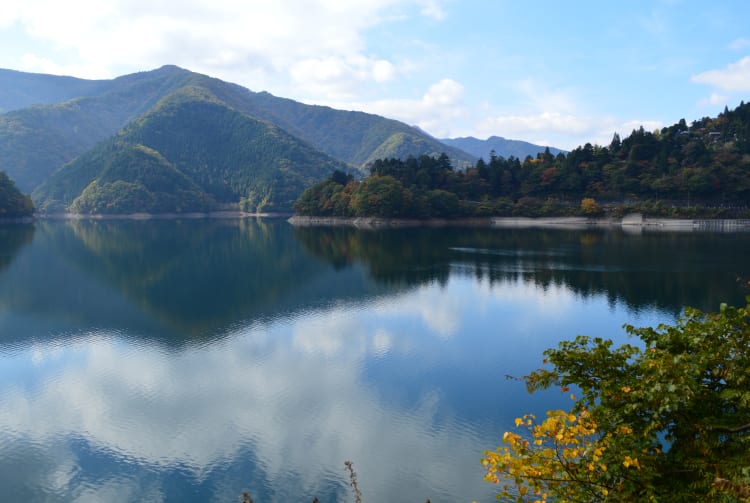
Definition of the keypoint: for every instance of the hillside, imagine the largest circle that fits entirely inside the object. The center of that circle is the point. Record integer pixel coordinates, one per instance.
(13, 204)
(38, 140)
(356, 138)
(190, 152)
(502, 147)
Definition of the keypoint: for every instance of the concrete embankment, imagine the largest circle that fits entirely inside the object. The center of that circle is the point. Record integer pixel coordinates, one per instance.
(555, 222)
(630, 223)
(686, 224)
(384, 223)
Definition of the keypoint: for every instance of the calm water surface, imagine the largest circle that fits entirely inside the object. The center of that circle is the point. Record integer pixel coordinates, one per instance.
(191, 360)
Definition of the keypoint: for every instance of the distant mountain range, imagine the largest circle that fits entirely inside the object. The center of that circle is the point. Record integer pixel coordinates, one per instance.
(501, 146)
(171, 140)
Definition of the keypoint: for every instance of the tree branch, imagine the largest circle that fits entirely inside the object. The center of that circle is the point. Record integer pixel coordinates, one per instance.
(738, 429)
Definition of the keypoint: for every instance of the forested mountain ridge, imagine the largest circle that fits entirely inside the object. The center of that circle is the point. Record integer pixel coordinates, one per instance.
(697, 170)
(190, 152)
(357, 138)
(38, 140)
(500, 146)
(21, 90)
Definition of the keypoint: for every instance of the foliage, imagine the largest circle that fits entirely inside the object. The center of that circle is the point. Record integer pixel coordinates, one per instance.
(290, 145)
(13, 204)
(352, 137)
(698, 171)
(381, 196)
(189, 153)
(38, 140)
(665, 420)
(562, 459)
(590, 207)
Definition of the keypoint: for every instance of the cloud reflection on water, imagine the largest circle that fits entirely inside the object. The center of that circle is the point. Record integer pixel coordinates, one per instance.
(291, 392)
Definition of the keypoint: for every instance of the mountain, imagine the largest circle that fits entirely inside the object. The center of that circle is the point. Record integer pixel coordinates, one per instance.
(36, 141)
(190, 152)
(356, 138)
(100, 126)
(501, 146)
(21, 90)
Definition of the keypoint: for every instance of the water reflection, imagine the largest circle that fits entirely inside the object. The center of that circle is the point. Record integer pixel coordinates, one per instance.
(665, 271)
(189, 360)
(13, 237)
(175, 281)
(285, 401)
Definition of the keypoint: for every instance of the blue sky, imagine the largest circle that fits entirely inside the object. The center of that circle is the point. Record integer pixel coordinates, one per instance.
(551, 72)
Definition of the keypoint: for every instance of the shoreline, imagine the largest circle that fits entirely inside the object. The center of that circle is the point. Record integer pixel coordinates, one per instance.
(633, 223)
(157, 216)
(384, 223)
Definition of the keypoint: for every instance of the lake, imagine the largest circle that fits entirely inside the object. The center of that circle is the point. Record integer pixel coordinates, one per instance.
(192, 360)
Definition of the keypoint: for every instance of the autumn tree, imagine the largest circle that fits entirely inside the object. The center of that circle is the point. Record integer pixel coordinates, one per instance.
(666, 419)
(589, 207)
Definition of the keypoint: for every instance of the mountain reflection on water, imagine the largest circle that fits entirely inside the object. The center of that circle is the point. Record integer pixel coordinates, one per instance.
(13, 237)
(665, 271)
(188, 360)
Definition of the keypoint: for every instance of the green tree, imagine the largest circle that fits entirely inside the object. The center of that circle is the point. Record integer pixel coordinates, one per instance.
(381, 196)
(442, 204)
(13, 203)
(667, 419)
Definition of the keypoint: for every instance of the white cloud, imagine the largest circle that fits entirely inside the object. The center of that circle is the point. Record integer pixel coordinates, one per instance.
(436, 112)
(383, 71)
(241, 42)
(446, 92)
(566, 131)
(740, 44)
(553, 122)
(339, 78)
(547, 128)
(733, 77)
(433, 9)
(106, 396)
(549, 116)
(715, 100)
(539, 96)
